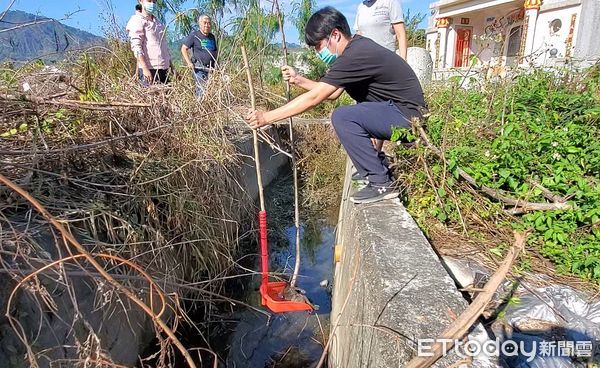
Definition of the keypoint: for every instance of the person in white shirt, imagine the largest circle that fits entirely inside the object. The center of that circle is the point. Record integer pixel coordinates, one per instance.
(383, 22)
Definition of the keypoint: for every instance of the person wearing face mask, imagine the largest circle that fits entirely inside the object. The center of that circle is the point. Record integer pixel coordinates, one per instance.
(204, 52)
(386, 89)
(149, 44)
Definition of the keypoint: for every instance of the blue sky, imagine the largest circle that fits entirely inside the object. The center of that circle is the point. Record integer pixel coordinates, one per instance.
(92, 13)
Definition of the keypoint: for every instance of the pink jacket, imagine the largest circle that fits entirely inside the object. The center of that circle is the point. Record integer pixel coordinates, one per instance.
(148, 38)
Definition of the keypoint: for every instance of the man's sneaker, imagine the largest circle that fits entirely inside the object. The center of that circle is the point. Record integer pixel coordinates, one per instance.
(374, 193)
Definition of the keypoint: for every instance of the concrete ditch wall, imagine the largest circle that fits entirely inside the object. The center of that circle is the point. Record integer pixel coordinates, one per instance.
(390, 287)
(272, 162)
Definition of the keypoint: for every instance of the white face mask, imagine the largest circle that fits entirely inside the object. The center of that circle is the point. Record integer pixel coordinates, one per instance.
(327, 56)
(150, 7)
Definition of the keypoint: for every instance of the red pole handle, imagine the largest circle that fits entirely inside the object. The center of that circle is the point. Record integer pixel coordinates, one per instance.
(264, 250)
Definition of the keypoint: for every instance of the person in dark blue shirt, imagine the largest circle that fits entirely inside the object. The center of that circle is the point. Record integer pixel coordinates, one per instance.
(386, 89)
(204, 52)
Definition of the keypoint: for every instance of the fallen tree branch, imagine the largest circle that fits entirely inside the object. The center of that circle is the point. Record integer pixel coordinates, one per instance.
(51, 97)
(463, 323)
(547, 193)
(89, 105)
(85, 146)
(520, 206)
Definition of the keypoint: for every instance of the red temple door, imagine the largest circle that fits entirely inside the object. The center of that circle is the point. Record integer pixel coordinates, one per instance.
(463, 47)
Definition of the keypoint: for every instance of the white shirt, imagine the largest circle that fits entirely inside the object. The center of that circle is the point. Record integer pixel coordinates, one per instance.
(375, 21)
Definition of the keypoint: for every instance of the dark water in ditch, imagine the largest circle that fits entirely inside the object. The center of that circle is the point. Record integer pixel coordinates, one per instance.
(290, 340)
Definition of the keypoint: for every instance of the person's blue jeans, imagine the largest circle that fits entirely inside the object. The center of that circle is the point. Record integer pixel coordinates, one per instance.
(200, 77)
(355, 125)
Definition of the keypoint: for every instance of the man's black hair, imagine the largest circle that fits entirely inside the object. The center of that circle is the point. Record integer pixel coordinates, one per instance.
(138, 7)
(322, 23)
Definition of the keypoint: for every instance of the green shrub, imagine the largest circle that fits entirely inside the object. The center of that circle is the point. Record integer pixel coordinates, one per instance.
(541, 129)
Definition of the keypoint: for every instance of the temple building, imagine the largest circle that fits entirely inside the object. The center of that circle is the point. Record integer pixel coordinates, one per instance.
(498, 34)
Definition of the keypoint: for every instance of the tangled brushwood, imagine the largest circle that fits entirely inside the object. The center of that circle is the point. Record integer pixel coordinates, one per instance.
(146, 180)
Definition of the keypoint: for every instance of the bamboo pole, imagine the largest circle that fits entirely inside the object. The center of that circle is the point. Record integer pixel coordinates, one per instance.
(262, 215)
(294, 278)
(261, 195)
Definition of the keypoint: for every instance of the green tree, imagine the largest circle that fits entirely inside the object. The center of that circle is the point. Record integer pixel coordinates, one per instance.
(302, 10)
(415, 36)
(256, 29)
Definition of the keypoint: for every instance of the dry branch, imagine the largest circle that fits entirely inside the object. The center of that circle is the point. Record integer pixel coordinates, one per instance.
(463, 323)
(294, 277)
(547, 193)
(33, 23)
(89, 105)
(85, 146)
(520, 206)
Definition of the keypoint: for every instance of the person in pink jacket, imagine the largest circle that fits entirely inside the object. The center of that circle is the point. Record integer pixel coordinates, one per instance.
(149, 44)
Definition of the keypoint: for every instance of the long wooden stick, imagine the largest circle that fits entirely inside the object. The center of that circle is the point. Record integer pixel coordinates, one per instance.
(107, 276)
(461, 325)
(261, 195)
(293, 154)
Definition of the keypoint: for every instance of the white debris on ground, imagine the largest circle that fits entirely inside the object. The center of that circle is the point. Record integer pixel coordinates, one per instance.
(551, 327)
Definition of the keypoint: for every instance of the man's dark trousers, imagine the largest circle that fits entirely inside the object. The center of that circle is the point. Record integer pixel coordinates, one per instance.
(355, 125)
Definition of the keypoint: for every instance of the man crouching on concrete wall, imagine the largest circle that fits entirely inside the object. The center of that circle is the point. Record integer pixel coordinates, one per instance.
(387, 92)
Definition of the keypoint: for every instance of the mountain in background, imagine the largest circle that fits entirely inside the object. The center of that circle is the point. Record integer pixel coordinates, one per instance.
(292, 46)
(48, 40)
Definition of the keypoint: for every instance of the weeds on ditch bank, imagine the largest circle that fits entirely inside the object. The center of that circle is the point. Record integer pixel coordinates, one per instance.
(535, 138)
(322, 164)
